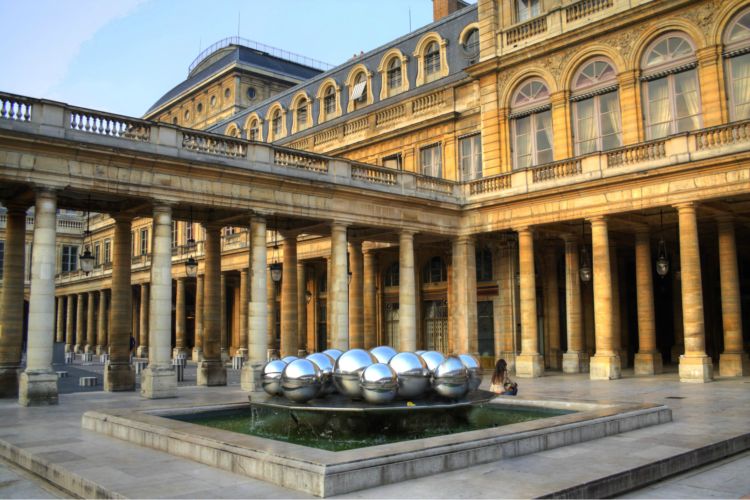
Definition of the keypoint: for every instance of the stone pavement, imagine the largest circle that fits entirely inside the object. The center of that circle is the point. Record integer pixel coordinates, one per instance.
(703, 414)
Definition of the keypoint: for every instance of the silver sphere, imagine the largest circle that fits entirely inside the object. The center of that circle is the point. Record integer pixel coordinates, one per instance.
(271, 377)
(325, 363)
(413, 374)
(289, 359)
(334, 353)
(451, 378)
(383, 353)
(433, 360)
(347, 370)
(474, 369)
(379, 383)
(300, 380)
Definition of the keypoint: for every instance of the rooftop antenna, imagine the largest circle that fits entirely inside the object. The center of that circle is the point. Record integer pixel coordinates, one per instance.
(409, 19)
(238, 24)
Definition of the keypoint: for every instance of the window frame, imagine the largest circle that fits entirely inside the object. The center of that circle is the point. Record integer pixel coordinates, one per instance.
(595, 92)
(475, 156)
(143, 235)
(394, 157)
(531, 13)
(69, 258)
(533, 109)
(733, 51)
(433, 147)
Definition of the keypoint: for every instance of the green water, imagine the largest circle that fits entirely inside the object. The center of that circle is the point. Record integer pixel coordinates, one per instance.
(338, 431)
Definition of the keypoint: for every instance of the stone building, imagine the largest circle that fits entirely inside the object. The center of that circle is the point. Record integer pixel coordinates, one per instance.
(557, 183)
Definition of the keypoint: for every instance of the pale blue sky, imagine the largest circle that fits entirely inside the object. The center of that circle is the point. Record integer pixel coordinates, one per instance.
(122, 55)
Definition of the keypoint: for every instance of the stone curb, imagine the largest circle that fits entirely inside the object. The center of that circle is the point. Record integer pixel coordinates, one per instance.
(71, 483)
(639, 477)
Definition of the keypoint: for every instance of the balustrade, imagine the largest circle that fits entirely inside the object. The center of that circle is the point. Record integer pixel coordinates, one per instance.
(526, 30)
(15, 108)
(356, 126)
(373, 175)
(215, 145)
(434, 184)
(724, 135)
(635, 154)
(490, 184)
(92, 122)
(389, 115)
(556, 170)
(291, 158)
(585, 8)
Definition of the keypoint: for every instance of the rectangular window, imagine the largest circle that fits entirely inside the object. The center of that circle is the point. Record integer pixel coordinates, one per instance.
(470, 155)
(144, 241)
(431, 161)
(189, 233)
(132, 243)
(97, 254)
(2, 257)
(526, 9)
(391, 324)
(485, 329)
(107, 251)
(393, 161)
(69, 258)
(174, 233)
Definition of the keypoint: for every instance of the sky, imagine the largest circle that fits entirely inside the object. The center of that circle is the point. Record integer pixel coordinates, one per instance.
(120, 56)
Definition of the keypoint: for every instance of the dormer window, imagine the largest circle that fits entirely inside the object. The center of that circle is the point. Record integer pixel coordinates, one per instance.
(276, 123)
(302, 115)
(329, 101)
(394, 74)
(432, 59)
(359, 90)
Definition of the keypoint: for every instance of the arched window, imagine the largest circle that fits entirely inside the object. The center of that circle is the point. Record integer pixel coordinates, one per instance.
(596, 108)
(434, 271)
(329, 101)
(358, 94)
(233, 131)
(391, 275)
(432, 59)
(531, 124)
(671, 97)
(301, 114)
(471, 43)
(276, 124)
(484, 264)
(394, 73)
(737, 65)
(253, 130)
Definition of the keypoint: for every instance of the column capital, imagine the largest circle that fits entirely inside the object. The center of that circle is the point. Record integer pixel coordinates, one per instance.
(725, 219)
(686, 205)
(120, 217)
(337, 223)
(355, 244)
(571, 238)
(409, 232)
(163, 206)
(598, 219)
(465, 238)
(16, 207)
(524, 229)
(212, 225)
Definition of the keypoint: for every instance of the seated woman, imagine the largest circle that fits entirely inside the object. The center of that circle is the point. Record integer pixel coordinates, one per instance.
(501, 382)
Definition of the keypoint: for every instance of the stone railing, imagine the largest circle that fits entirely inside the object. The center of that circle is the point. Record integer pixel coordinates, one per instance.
(15, 108)
(375, 175)
(303, 143)
(214, 144)
(389, 115)
(326, 136)
(235, 241)
(722, 136)
(356, 126)
(435, 185)
(91, 122)
(64, 225)
(557, 170)
(526, 30)
(635, 154)
(585, 8)
(428, 101)
(292, 158)
(490, 184)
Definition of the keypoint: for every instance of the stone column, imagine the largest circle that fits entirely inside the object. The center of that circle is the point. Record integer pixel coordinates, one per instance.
(180, 319)
(356, 297)
(244, 302)
(199, 309)
(733, 362)
(101, 334)
(529, 363)
(552, 308)
(678, 349)
(258, 307)
(647, 359)
(11, 300)
(271, 333)
(617, 332)
(80, 323)
(301, 310)
(223, 317)
(407, 294)
(70, 333)
(159, 379)
(464, 292)
(118, 372)
(38, 383)
(338, 289)
(505, 315)
(143, 316)
(605, 365)
(369, 304)
(211, 370)
(60, 324)
(695, 365)
(575, 359)
(90, 323)
(289, 324)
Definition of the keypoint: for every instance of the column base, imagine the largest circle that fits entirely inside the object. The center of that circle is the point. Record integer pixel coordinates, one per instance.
(696, 369)
(624, 361)
(211, 373)
(89, 348)
(510, 359)
(250, 377)
(159, 382)
(677, 351)
(177, 351)
(142, 351)
(555, 359)
(69, 348)
(301, 353)
(529, 365)
(575, 362)
(119, 377)
(197, 354)
(101, 349)
(605, 367)
(225, 354)
(9, 381)
(242, 352)
(78, 349)
(734, 364)
(37, 388)
(647, 363)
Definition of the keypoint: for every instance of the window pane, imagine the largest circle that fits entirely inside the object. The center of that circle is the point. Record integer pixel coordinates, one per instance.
(687, 103)
(659, 110)
(523, 141)
(740, 71)
(609, 109)
(586, 126)
(543, 137)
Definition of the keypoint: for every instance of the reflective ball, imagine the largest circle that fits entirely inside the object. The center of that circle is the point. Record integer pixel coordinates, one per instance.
(270, 378)
(379, 383)
(474, 369)
(419, 353)
(347, 370)
(289, 359)
(433, 360)
(325, 363)
(451, 378)
(300, 380)
(383, 353)
(413, 374)
(333, 353)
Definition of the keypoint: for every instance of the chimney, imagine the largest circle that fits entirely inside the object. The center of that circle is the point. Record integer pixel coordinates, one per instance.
(442, 8)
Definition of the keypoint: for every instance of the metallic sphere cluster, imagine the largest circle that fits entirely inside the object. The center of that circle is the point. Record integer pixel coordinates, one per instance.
(379, 375)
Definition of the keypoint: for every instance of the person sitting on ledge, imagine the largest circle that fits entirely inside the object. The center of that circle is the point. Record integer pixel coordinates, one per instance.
(501, 382)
